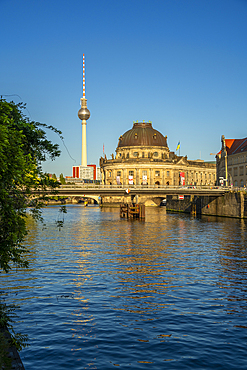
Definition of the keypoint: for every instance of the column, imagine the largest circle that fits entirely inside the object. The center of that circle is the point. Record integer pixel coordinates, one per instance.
(124, 177)
(84, 144)
(137, 177)
(151, 176)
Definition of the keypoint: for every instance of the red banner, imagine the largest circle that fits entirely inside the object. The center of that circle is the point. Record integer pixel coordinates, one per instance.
(182, 178)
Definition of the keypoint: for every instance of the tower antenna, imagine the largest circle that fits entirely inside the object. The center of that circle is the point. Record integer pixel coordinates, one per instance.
(83, 77)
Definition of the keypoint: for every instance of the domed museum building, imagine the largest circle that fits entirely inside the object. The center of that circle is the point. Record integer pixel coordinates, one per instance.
(143, 158)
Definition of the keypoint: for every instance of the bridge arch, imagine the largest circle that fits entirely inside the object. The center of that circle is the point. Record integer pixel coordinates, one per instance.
(94, 197)
(153, 201)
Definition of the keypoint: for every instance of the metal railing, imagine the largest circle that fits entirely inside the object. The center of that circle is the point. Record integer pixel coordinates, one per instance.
(151, 187)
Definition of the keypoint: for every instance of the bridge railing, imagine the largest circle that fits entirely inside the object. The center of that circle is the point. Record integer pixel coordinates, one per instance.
(191, 187)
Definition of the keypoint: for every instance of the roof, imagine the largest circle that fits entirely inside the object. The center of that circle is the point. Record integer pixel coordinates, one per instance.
(235, 146)
(142, 134)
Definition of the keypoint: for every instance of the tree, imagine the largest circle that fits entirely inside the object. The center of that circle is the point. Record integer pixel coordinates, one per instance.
(62, 179)
(23, 147)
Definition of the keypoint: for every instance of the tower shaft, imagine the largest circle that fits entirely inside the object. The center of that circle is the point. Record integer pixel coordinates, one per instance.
(84, 144)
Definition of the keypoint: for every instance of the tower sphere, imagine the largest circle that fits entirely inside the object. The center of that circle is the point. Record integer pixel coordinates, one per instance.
(83, 114)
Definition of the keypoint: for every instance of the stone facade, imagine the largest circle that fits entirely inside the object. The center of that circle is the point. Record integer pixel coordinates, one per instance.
(143, 158)
(232, 162)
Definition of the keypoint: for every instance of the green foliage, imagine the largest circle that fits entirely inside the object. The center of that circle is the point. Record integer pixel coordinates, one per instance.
(60, 219)
(23, 185)
(62, 179)
(23, 147)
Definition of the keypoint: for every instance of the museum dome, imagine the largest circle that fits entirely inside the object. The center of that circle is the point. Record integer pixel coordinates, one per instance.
(142, 134)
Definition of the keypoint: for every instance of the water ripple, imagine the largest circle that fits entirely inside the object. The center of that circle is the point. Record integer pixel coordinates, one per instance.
(104, 292)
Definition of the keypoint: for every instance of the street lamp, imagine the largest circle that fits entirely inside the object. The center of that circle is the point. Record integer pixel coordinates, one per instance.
(226, 168)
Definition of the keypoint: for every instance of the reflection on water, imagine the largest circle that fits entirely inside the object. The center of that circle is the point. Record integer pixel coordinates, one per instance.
(167, 292)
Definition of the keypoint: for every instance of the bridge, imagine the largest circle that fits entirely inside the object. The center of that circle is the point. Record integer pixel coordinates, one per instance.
(133, 190)
(208, 200)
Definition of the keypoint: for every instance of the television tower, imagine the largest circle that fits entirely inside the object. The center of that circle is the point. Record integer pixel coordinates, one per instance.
(83, 115)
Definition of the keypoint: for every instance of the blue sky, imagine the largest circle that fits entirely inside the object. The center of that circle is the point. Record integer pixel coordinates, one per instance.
(181, 64)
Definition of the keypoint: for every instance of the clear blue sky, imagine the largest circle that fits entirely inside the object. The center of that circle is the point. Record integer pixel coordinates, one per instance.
(180, 63)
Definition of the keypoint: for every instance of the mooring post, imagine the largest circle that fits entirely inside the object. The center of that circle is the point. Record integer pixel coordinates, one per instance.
(142, 211)
(193, 205)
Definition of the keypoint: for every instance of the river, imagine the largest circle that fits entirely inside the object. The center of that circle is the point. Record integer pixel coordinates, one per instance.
(169, 292)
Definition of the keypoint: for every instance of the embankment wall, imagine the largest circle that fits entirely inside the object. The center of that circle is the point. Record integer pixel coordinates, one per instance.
(232, 204)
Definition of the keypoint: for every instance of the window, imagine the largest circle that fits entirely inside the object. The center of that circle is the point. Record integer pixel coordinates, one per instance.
(127, 155)
(168, 173)
(135, 154)
(235, 171)
(120, 155)
(109, 173)
(131, 173)
(157, 173)
(143, 154)
(118, 173)
(144, 173)
(241, 171)
(156, 154)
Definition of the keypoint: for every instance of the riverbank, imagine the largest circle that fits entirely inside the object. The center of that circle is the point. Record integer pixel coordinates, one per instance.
(9, 351)
(232, 204)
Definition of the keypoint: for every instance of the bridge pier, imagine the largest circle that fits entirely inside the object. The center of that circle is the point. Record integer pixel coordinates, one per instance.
(147, 200)
(132, 211)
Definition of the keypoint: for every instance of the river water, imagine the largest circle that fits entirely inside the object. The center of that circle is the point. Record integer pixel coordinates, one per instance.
(169, 292)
